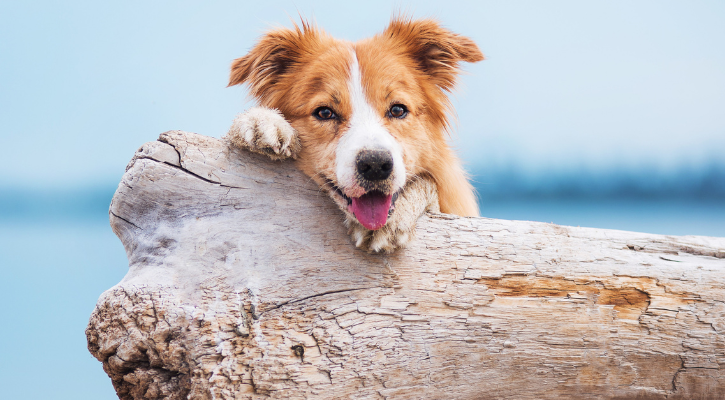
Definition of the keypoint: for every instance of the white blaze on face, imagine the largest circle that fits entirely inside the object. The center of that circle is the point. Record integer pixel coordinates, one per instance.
(366, 131)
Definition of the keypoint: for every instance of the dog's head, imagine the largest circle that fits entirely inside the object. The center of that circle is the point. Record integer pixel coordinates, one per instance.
(370, 115)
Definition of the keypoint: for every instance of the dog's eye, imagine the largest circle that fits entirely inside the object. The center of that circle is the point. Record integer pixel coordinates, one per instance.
(325, 113)
(398, 111)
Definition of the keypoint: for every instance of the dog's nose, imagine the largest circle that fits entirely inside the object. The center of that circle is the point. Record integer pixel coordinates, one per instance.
(374, 165)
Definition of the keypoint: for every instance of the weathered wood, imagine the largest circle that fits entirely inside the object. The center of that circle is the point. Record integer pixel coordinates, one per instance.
(244, 285)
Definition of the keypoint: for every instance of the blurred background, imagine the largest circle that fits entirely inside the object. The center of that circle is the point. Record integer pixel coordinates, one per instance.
(600, 114)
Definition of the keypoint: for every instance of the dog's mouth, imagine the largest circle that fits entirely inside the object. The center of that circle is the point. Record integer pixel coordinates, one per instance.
(372, 209)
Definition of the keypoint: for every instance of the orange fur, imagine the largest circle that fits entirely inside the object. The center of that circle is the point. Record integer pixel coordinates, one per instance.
(412, 62)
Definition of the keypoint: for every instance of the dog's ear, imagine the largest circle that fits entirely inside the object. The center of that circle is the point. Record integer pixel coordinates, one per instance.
(436, 50)
(275, 54)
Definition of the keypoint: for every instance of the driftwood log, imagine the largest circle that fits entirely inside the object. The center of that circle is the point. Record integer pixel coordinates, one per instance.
(243, 284)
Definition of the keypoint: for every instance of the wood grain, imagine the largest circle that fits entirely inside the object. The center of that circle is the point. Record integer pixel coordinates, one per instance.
(243, 284)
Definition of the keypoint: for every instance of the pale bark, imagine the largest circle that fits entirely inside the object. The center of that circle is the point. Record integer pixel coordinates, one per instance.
(243, 284)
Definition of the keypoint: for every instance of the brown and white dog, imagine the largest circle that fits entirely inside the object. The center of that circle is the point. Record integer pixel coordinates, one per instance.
(367, 121)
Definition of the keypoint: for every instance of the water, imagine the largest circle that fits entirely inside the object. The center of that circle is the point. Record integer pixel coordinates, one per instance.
(52, 275)
(683, 201)
(702, 217)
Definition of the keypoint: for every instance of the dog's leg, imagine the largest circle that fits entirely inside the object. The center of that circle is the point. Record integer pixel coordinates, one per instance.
(417, 197)
(265, 131)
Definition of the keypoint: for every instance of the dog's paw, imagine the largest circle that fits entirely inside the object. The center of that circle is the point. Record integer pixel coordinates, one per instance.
(265, 131)
(387, 239)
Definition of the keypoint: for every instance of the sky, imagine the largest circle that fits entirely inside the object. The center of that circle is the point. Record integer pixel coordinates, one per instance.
(566, 85)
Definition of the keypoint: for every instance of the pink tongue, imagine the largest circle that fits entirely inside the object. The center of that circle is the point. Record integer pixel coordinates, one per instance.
(371, 209)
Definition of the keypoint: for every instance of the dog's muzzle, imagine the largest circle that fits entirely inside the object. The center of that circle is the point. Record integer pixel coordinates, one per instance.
(374, 173)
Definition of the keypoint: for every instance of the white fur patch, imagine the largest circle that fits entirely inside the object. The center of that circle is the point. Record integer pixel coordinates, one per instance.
(265, 131)
(366, 131)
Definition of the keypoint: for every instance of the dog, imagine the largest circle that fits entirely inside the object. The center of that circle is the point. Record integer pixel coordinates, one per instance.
(367, 121)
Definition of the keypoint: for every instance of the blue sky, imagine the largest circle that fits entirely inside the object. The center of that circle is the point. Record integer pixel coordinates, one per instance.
(566, 84)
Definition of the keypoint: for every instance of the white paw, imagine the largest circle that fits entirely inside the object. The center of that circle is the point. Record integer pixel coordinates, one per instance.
(387, 239)
(264, 130)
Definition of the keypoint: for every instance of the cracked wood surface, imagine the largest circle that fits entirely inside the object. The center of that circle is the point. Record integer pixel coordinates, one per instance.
(243, 284)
